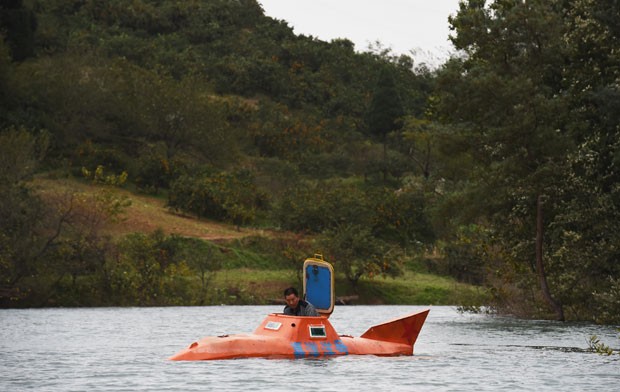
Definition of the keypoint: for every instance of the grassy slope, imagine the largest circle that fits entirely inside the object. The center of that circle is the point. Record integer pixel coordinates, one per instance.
(148, 213)
(257, 285)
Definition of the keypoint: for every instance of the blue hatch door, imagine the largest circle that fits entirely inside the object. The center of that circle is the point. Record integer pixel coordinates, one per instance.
(319, 284)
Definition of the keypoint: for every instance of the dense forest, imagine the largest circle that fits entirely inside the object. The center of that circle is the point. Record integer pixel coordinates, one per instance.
(500, 168)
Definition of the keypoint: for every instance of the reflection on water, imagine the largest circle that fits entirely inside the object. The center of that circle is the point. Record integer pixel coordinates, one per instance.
(125, 349)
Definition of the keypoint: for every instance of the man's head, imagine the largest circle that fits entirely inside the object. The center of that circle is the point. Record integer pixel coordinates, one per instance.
(292, 297)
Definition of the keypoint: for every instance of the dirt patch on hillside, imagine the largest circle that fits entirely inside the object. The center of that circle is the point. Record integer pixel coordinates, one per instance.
(146, 214)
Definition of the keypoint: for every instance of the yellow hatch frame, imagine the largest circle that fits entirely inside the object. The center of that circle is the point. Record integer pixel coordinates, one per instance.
(321, 298)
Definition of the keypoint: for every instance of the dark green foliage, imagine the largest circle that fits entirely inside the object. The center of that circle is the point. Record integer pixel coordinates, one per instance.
(276, 132)
(379, 159)
(355, 251)
(534, 101)
(134, 75)
(386, 107)
(402, 217)
(18, 24)
(144, 261)
(465, 256)
(152, 91)
(89, 156)
(6, 71)
(323, 205)
(142, 269)
(154, 170)
(23, 235)
(395, 216)
(221, 196)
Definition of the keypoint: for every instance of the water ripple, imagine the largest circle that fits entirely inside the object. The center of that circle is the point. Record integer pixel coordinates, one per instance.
(125, 349)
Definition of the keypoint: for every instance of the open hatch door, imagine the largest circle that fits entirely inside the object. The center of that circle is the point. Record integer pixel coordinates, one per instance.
(319, 284)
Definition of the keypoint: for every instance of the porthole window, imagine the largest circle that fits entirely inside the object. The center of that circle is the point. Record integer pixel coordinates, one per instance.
(317, 331)
(273, 325)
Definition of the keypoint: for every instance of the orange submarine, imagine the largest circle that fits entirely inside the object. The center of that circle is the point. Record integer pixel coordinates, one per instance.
(283, 336)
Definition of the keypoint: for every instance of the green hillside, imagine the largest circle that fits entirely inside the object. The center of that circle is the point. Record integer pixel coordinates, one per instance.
(160, 152)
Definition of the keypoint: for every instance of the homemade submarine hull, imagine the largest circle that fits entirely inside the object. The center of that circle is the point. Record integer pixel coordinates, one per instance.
(282, 336)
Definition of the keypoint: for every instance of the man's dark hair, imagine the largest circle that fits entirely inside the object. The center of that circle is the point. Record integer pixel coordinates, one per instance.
(291, 290)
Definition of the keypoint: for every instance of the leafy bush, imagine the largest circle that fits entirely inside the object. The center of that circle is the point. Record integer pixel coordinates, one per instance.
(465, 256)
(323, 206)
(91, 155)
(324, 165)
(153, 169)
(223, 196)
(401, 217)
(158, 269)
(608, 299)
(356, 252)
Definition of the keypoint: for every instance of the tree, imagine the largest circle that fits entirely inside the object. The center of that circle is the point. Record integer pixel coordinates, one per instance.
(385, 110)
(506, 96)
(144, 259)
(355, 251)
(6, 70)
(222, 196)
(23, 239)
(401, 217)
(323, 206)
(19, 24)
(205, 259)
(586, 226)
(535, 97)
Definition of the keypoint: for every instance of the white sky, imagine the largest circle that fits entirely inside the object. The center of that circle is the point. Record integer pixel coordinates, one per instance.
(404, 26)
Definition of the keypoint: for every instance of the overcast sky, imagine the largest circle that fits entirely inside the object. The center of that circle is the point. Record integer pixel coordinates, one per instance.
(420, 26)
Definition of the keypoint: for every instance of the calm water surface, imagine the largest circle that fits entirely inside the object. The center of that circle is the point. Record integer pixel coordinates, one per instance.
(125, 349)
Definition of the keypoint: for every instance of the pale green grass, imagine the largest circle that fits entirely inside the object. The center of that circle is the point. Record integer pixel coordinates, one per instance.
(265, 286)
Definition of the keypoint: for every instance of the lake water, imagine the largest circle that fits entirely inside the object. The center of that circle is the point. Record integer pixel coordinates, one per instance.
(125, 349)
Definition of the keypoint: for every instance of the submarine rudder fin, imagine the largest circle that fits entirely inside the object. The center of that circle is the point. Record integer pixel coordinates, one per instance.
(404, 330)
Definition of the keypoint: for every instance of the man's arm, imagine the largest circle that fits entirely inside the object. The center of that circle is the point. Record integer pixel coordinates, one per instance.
(310, 310)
